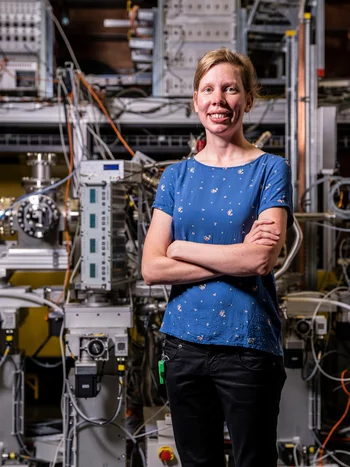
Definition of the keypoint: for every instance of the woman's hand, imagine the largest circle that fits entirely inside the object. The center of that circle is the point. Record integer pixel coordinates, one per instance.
(263, 232)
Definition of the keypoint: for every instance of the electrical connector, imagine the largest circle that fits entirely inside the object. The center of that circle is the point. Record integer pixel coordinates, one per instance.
(121, 368)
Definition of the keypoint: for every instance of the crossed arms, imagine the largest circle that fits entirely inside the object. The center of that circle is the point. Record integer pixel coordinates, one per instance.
(182, 262)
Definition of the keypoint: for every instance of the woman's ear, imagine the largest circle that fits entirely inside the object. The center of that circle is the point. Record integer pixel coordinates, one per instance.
(194, 104)
(250, 101)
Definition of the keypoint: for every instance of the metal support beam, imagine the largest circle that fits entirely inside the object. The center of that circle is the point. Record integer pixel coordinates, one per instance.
(291, 109)
(310, 105)
(307, 78)
(327, 153)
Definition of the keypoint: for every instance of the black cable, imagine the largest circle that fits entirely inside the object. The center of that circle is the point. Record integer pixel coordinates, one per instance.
(41, 346)
(45, 365)
(155, 109)
(132, 89)
(160, 107)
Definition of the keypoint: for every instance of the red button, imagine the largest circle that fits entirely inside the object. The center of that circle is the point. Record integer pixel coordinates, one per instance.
(165, 455)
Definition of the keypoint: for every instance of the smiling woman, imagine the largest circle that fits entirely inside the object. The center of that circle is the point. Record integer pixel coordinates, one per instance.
(224, 89)
(218, 226)
(221, 101)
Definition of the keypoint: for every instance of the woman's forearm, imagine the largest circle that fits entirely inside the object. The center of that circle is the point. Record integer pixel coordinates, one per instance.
(163, 270)
(237, 260)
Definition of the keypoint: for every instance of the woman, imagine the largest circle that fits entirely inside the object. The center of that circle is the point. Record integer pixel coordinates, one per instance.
(218, 227)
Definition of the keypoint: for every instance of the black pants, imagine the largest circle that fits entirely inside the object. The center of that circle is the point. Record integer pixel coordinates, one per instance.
(208, 384)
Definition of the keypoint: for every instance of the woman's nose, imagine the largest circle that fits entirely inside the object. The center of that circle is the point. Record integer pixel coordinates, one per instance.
(218, 97)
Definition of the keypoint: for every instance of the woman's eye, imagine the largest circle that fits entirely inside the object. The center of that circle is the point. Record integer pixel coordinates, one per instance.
(207, 89)
(231, 89)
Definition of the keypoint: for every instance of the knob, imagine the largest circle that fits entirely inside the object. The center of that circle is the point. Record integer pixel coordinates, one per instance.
(166, 454)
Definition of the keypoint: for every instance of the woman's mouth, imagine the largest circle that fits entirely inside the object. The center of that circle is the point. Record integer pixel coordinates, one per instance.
(220, 117)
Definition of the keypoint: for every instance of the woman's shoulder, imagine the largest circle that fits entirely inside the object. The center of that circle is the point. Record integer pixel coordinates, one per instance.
(172, 169)
(273, 160)
(179, 167)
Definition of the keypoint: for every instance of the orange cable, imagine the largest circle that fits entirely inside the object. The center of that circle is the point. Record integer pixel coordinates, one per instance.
(66, 197)
(341, 200)
(320, 463)
(102, 107)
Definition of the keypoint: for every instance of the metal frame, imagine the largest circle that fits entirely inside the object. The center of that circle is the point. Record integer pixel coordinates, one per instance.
(271, 112)
(34, 259)
(291, 114)
(327, 150)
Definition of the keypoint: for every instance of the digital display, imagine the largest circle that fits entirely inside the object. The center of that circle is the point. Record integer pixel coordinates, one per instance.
(92, 270)
(92, 245)
(110, 166)
(92, 221)
(92, 195)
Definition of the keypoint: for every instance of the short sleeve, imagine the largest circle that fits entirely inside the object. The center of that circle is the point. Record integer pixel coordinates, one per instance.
(164, 199)
(277, 189)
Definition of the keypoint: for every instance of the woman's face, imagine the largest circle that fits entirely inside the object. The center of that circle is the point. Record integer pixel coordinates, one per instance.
(221, 100)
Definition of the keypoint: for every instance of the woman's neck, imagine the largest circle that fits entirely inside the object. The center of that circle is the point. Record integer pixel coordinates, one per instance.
(229, 154)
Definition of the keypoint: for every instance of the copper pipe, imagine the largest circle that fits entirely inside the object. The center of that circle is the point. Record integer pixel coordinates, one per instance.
(301, 114)
(314, 216)
(301, 131)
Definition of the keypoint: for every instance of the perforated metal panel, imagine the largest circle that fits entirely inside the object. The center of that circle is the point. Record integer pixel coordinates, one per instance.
(26, 47)
(185, 31)
(20, 26)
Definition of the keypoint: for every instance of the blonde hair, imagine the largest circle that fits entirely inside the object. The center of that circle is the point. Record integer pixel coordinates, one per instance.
(225, 55)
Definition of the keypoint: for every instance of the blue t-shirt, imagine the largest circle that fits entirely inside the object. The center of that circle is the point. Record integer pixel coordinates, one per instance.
(219, 205)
